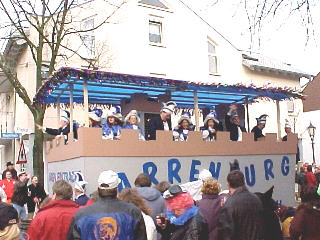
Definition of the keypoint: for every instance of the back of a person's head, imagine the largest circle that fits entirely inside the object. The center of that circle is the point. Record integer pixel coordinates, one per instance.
(63, 190)
(309, 168)
(211, 186)
(163, 186)
(131, 196)
(143, 180)
(235, 179)
(309, 194)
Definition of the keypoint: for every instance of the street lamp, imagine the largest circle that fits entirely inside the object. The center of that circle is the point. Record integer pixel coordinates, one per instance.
(312, 131)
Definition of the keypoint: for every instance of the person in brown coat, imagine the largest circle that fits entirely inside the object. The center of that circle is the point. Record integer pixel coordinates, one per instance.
(307, 218)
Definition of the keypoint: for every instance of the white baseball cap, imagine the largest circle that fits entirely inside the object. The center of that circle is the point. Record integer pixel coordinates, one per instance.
(109, 178)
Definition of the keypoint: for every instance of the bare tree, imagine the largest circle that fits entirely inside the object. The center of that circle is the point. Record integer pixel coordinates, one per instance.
(44, 28)
(260, 13)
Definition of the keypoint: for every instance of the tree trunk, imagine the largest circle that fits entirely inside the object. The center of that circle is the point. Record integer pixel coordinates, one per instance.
(38, 165)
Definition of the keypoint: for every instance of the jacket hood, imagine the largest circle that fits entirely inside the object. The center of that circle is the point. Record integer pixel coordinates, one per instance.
(149, 193)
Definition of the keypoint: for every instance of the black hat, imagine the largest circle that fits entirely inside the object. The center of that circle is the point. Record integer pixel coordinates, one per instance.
(9, 164)
(173, 191)
(9, 215)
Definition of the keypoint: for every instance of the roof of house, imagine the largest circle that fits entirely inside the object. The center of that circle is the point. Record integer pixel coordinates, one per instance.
(154, 3)
(312, 98)
(259, 62)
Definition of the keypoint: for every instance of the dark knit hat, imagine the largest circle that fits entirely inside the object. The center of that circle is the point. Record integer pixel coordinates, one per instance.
(9, 215)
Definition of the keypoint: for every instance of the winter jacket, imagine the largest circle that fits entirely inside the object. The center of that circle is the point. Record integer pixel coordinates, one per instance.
(52, 221)
(311, 180)
(82, 200)
(109, 218)
(3, 195)
(233, 128)
(241, 217)
(257, 133)
(8, 186)
(155, 124)
(317, 175)
(63, 131)
(20, 193)
(196, 228)
(35, 191)
(210, 206)
(13, 173)
(306, 223)
(150, 227)
(153, 199)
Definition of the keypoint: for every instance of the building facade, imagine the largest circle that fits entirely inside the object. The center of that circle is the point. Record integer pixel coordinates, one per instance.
(151, 38)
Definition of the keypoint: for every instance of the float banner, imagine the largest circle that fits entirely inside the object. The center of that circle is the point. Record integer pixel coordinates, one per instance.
(261, 171)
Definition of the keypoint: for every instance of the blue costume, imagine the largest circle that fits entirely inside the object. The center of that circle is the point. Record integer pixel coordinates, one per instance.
(111, 131)
(135, 127)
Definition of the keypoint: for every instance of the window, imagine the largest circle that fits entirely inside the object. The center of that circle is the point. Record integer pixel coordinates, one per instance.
(88, 38)
(155, 32)
(213, 60)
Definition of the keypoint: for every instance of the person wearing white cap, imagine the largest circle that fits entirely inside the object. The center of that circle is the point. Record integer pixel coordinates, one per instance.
(95, 118)
(287, 129)
(64, 128)
(132, 120)
(163, 121)
(79, 190)
(180, 133)
(194, 188)
(112, 128)
(257, 130)
(232, 122)
(211, 126)
(108, 218)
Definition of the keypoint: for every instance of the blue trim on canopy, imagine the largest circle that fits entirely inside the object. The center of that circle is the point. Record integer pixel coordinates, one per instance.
(111, 88)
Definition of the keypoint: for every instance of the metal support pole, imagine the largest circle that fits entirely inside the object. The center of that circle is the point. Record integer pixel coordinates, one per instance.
(71, 108)
(312, 144)
(86, 103)
(247, 110)
(278, 119)
(58, 111)
(196, 109)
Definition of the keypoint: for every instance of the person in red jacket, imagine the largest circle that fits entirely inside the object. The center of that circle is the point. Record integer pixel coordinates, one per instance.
(310, 177)
(53, 220)
(8, 185)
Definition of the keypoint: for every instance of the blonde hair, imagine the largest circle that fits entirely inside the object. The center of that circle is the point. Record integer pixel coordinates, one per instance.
(211, 186)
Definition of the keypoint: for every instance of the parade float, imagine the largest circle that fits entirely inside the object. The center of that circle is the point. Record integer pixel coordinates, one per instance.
(264, 163)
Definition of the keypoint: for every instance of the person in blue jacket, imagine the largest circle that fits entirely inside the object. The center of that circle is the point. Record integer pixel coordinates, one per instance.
(79, 190)
(132, 120)
(112, 128)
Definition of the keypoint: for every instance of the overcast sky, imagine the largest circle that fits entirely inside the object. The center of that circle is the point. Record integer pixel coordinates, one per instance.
(282, 38)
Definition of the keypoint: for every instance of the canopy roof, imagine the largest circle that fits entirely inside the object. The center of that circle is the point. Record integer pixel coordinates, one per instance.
(110, 88)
